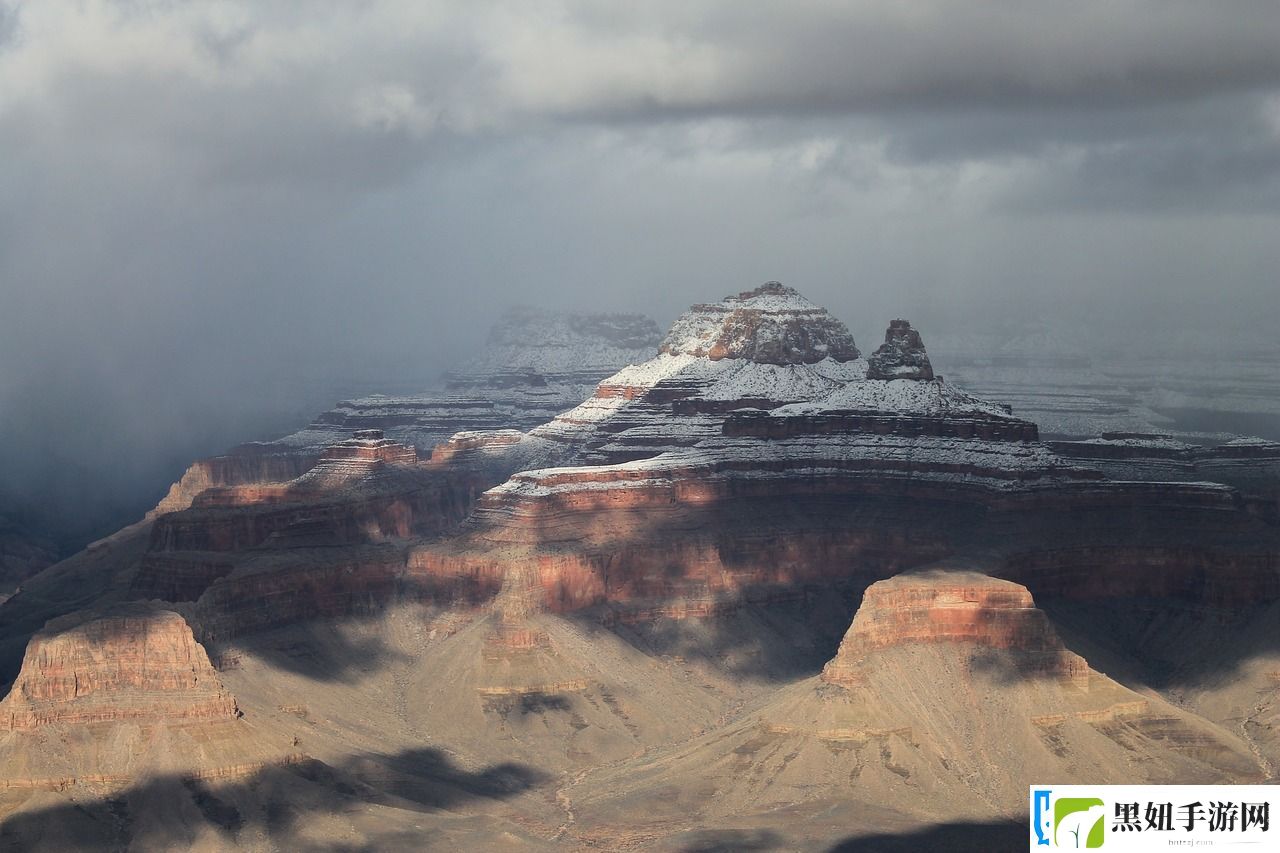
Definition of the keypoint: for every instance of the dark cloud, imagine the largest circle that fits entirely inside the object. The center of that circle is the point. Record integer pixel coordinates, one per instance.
(217, 216)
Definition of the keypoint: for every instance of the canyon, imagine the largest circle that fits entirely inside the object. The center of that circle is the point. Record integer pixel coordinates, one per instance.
(619, 590)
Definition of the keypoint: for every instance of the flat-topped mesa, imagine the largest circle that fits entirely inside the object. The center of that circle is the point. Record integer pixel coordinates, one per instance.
(362, 456)
(772, 324)
(369, 447)
(953, 607)
(132, 662)
(901, 356)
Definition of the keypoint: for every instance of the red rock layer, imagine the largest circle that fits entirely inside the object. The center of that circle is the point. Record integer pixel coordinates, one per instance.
(233, 470)
(953, 607)
(418, 502)
(135, 662)
(688, 563)
(325, 583)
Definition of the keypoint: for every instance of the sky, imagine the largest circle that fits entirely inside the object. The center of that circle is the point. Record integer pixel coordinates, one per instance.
(214, 215)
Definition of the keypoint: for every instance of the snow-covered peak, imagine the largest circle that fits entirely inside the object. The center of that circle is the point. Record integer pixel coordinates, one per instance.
(773, 296)
(771, 324)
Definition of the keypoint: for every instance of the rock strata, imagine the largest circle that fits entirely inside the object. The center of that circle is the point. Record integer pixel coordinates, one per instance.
(133, 662)
(954, 607)
(771, 324)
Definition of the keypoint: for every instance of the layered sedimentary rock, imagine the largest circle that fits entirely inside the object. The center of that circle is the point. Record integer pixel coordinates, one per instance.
(671, 488)
(647, 586)
(771, 324)
(742, 409)
(1249, 464)
(131, 662)
(251, 465)
(271, 589)
(949, 688)
(539, 689)
(366, 488)
(953, 607)
(535, 365)
(117, 696)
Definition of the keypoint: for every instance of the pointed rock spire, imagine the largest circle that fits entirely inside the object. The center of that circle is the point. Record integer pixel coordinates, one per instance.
(901, 356)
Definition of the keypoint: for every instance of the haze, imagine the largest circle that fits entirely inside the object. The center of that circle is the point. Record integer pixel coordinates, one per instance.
(217, 217)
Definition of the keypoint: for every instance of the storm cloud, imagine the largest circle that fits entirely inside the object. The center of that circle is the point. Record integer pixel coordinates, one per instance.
(214, 215)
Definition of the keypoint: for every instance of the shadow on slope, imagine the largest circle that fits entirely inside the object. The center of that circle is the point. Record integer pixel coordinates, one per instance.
(310, 805)
(992, 837)
(335, 651)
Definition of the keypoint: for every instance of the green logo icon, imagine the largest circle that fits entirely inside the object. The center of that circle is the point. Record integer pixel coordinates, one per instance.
(1079, 822)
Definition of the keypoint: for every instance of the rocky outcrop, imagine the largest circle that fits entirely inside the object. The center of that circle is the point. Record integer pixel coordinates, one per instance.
(941, 606)
(251, 465)
(133, 662)
(367, 488)
(1251, 465)
(535, 365)
(948, 685)
(771, 324)
(627, 500)
(901, 356)
(271, 590)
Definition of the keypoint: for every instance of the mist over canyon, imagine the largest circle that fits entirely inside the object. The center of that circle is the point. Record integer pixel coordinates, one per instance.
(609, 586)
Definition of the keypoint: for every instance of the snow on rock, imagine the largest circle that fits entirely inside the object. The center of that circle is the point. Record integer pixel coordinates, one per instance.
(901, 356)
(772, 324)
(898, 396)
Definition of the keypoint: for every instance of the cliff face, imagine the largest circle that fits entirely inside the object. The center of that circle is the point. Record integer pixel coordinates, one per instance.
(232, 470)
(949, 685)
(953, 607)
(535, 364)
(901, 356)
(771, 324)
(634, 493)
(367, 488)
(133, 662)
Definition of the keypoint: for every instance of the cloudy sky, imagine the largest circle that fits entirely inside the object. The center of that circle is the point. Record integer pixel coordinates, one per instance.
(204, 205)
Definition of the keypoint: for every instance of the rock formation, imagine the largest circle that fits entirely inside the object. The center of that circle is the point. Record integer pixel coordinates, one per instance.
(131, 662)
(953, 607)
(535, 365)
(631, 602)
(771, 324)
(950, 687)
(752, 401)
(901, 356)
